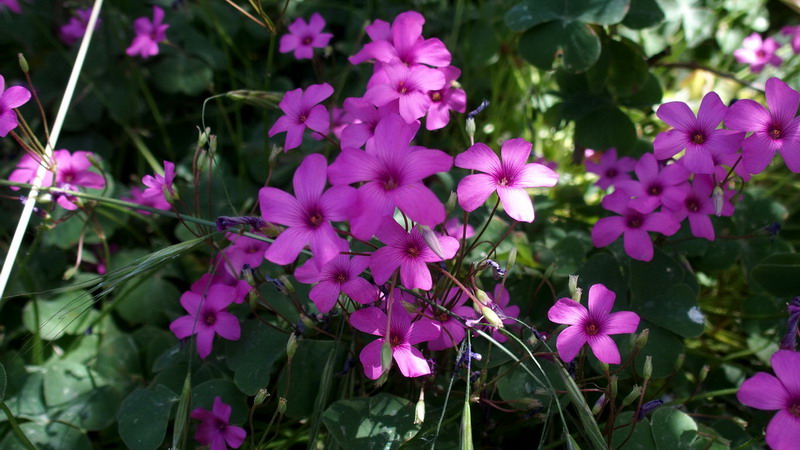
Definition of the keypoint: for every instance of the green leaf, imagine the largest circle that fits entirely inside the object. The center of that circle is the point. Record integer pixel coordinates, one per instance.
(575, 41)
(182, 75)
(656, 275)
(627, 70)
(49, 436)
(530, 13)
(602, 268)
(93, 410)
(69, 313)
(517, 387)
(649, 94)
(675, 309)
(203, 397)
(643, 14)
(118, 359)
(306, 375)
(605, 128)
(65, 380)
(143, 417)
(641, 439)
(663, 346)
(380, 422)
(147, 301)
(779, 274)
(251, 372)
(672, 429)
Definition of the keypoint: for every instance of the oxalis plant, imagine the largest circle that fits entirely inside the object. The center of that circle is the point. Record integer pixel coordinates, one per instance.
(547, 224)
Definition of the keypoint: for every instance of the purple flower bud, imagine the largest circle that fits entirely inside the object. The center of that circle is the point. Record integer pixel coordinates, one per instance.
(225, 222)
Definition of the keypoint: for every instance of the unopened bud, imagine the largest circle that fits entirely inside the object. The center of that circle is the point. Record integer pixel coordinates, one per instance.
(470, 128)
(573, 286)
(306, 321)
(23, 63)
(202, 136)
(630, 398)
(281, 405)
(647, 372)
(531, 403)
(261, 395)
(719, 200)
(409, 307)
(641, 339)
(212, 143)
(386, 356)
(512, 259)
(613, 386)
(432, 240)
(491, 317)
(598, 405)
(450, 205)
(419, 410)
(273, 155)
(291, 346)
(270, 230)
(703, 373)
(287, 283)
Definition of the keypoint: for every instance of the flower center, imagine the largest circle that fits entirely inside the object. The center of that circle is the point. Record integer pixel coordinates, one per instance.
(210, 318)
(503, 181)
(655, 190)
(389, 183)
(401, 87)
(308, 40)
(302, 118)
(612, 173)
(592, 329)
(698, 138)
(341, 278)
(221, 425)
(442, 316)
(692, 205)
(761, 53)
(635, 221)
(436, 96)
(413, 251)
(395, 340)
(775, 132)
(795, 409)
(315, 219)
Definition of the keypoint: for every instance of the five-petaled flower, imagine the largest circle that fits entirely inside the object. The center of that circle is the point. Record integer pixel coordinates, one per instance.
(148, 34)
(402, 334)
(781, 393)
(593, 325)
(758, 52)
(72, 31)
(159, 187)
(304, 37)
(215, 429)
(609, 168)
(508, 178)
(302, 111)
(207, 317)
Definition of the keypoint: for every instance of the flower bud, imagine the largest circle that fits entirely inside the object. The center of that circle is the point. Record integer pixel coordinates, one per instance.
(23, 63)
(273, 155)
(718, 196)
(483, 300)
(641, 339)
(409, 307)
(287, 283)
(647, 372)
(432, 240)
(470, 128)
(386, 356)
(261, 395)
(452, 201)
(202, 136)
(419, 410)
(630, 398)
(703, 373)
(307, 322)
(512, 259)
(491, 317)
(281, 405)
(291, 346)
(573, 286)
(212, 143)
(598, 405)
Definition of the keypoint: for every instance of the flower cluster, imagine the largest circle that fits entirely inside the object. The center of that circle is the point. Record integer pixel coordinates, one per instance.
(697, 185)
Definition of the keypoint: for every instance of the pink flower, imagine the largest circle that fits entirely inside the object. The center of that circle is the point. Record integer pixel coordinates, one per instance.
(72, 170)
(304, 38)
(75, 28)
(215, 430)
(758, 52)
(12, 5)
(307, 215)
(137, 196)
(633, 225)
(794, 32)
(610, 169)
(453, 331)
(159, 187)
(207, 317)
(365, 118)
(507, 313)
(25, 172)
(10, 98)
(508, 178)
(392, 172)
(340, 274)
(695, 202)
(402, 43)
(409, 252)
(445, 100)
(653, 183)
(402, 335)
(221, 275)
(245, 251)
(148, 34)
(699, 136)
(409, 85)
(593, 326)
(454, 228)
(776, 129)
(302, 111)
(782, 393)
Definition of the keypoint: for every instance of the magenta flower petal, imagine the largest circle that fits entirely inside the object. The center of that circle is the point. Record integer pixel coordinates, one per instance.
(287, 245)
(324, 295)
(567, 311)
(638, 245)
(474, 189)
(360, 290)
(205, 341)
(415, 275)
(569, 343)
(786, 365)
(601, 299)
(370, 358)
(419, 203)
(676, 114)
(746, 115)
(410, 361)
(607, 230)
(369, 320)
(515, 153)
(478, 157)
(383, 263)
(783, 431)
(621, 322)
(763, 391)
(227, 326)
(604, 348)
(517, 203)
(183, 326)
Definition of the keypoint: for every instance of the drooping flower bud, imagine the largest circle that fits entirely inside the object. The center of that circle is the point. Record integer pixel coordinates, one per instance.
(630, 398)
(641, 339)
(261, 395)
(647, 371)
(491, 317)
(452, 201)
(432, 240)
(470, 128)
(291, 346)
(281, 405)
(419, 410)
(598, 405)
(23, 63)
(718, 196)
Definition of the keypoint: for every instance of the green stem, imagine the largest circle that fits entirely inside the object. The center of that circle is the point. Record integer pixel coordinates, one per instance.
(15, 426)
